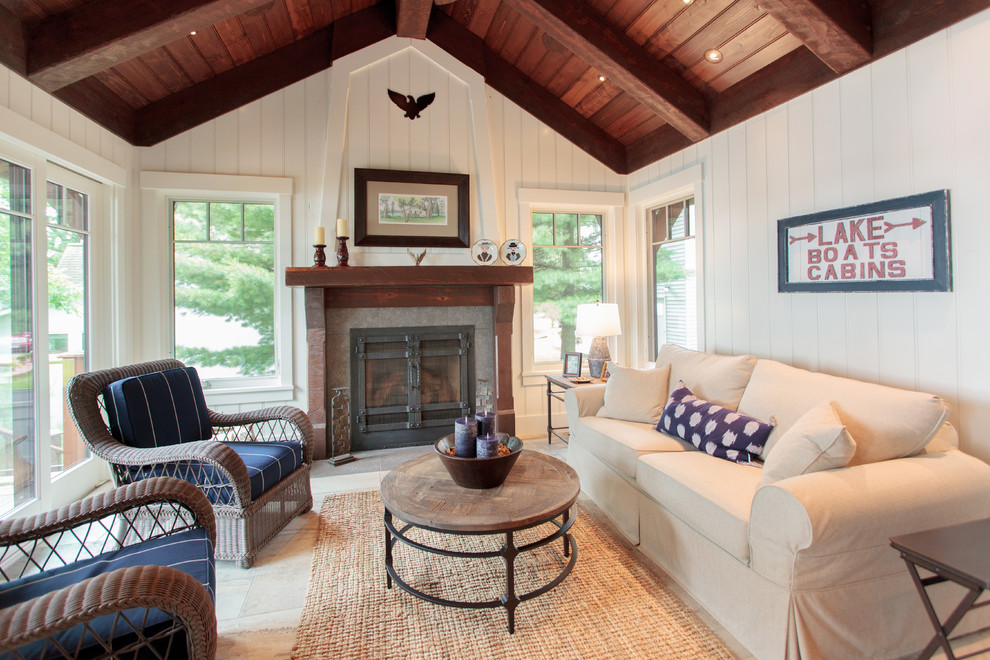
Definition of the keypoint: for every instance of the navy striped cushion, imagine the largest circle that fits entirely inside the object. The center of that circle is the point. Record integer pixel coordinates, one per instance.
(159, 409)
(267, 463)
(189, 551)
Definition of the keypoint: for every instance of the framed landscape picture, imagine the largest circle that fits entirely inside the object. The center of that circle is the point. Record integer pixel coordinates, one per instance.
(399, 208)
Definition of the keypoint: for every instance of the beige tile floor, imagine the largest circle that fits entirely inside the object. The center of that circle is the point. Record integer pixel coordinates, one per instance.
(258, 609)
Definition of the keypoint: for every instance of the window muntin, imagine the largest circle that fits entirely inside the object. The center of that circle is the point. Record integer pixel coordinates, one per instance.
(567, 271)
(224, 287)
(675, 276)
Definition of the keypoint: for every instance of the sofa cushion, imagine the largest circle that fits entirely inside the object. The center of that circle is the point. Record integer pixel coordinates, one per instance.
(713, 429)
(158, 409)
(710, 495)
(189, 551)
(720, 379)
(635, 395)
(817, 441)
(619, 444)
(886, 422)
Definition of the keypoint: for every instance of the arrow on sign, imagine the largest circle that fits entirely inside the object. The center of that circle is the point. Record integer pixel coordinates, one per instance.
(914, 224)
(794, 239)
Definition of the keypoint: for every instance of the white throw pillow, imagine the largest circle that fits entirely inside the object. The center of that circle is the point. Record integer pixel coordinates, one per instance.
(635, 395)
(817, 441)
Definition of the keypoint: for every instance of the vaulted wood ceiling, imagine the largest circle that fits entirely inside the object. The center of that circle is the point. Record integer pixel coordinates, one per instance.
(625, 80)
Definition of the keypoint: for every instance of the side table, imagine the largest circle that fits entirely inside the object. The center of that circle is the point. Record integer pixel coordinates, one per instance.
(957, 553)
(562, 383)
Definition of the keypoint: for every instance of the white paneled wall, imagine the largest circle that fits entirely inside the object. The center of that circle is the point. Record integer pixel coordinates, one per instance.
(49, 114)
(912, 122)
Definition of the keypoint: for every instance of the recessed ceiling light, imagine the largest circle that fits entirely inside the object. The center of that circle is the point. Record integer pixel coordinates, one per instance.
(601, 78)
(713, 55)
(193, 33)
(687, 2)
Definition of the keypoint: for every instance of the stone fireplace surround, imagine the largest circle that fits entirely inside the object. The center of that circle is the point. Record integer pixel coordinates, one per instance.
(385, 296)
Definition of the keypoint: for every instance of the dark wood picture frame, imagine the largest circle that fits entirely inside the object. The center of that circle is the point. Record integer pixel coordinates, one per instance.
(455, 236)
(936, 207)
(569, 362)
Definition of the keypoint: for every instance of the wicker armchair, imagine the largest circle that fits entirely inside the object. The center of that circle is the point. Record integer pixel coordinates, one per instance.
(244, 524)
(138, 610)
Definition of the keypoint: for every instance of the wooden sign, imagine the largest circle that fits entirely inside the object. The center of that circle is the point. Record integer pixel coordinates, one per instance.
(896, 245)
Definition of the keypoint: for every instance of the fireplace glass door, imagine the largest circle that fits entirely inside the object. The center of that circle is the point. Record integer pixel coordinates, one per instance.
(409, 384)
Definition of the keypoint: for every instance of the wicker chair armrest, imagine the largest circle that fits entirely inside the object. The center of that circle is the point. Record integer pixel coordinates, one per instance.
(291, 414)
(159, 587)
(124, 498)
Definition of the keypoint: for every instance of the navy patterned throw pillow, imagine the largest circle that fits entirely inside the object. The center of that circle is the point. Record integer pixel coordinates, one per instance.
(711, 428)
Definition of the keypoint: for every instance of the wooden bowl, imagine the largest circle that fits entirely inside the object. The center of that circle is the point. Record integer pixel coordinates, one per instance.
(479, 472)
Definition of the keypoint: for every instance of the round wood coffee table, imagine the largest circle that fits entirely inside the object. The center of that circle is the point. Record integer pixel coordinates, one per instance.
(539, 489)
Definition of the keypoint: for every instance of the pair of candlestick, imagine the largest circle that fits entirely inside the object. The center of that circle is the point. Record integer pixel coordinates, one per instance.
(320, 243)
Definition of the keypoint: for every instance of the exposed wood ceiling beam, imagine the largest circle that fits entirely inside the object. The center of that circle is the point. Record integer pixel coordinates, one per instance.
(839, 32)
(13, 45)
(471, 50)
(251, 81)
(898, 23)
(652, 147)
(412, 18)
(95, 100)
(628, 65)
(97, 35)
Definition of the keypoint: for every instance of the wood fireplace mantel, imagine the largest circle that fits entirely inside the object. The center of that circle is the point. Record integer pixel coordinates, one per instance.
(407, 286)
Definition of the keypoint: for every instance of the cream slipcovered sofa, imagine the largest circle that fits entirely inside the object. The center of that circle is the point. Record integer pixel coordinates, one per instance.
(793, 566)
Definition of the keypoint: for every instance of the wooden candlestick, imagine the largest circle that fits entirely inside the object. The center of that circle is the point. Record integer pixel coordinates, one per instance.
(341, 250)
(320, 257)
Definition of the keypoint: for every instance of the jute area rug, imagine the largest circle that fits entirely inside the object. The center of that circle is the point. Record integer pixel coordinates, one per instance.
(610, 606)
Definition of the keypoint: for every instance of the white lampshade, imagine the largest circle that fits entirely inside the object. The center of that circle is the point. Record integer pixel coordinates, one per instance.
(598, 320)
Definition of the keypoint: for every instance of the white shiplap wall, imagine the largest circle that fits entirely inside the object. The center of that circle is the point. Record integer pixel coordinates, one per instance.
(912, 122)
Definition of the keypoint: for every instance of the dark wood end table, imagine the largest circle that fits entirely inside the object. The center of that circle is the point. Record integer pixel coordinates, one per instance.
(957, 553)
(562, 383)
(538, 490)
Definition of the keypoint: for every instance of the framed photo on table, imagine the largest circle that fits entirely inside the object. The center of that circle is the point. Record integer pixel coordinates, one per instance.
(399, 208)
(572, 364)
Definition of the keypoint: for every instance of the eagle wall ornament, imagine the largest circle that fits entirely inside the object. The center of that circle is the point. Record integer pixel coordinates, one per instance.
(412, 106)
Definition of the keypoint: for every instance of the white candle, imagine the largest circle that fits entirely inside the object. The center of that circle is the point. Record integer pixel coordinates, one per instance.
(320, 237)
(341, 226)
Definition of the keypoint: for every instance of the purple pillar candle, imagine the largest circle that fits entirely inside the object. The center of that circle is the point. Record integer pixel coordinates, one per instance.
(465, 435)
(486, 423)
(487, 445)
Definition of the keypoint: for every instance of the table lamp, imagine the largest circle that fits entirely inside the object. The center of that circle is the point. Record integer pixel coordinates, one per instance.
(598, 320)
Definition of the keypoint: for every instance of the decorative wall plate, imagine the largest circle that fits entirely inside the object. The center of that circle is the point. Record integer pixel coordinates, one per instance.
(485, 252)
(513, 252)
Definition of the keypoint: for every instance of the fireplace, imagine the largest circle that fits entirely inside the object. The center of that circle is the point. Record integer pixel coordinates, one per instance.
(409, 384)
(404, 296)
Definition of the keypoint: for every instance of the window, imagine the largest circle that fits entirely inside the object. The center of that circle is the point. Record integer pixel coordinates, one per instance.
(224, 241)
(47, 294)
(675, 276)
(224, 287)
(567, 271)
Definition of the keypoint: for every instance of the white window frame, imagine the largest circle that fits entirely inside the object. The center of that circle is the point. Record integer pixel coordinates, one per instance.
(607, 204)
(79, 479)
(166, 187)
(685, 183)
